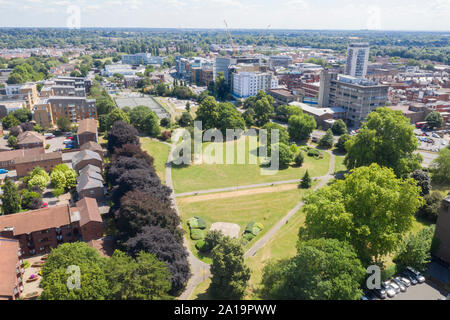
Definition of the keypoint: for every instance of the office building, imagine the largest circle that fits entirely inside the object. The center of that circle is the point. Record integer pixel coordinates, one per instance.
(357, 59)
(247, 84)
(357, 96)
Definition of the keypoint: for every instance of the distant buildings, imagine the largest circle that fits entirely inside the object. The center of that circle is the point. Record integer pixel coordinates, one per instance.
(123, 69)
(247, 84)
(357, 59)
(25, 94)
(324, 117)
(199, 71)
(357, 96)
(142, 59)
(280, 61)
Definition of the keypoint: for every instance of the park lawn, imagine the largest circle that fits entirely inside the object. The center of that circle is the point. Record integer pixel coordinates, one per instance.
(267, 208)
(213, 176)
(160, 152)
(339, 164)
(283, 245)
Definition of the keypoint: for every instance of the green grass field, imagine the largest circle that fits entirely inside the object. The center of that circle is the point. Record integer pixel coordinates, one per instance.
(339, 164)
(212, 176)
(160, 152)
(267, 208)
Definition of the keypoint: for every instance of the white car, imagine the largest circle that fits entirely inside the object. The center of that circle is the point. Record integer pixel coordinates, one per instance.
(394, 285)
(389, 290)
(405, 281)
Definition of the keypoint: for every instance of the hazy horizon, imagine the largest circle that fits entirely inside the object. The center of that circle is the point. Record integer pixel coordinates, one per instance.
(345, 15)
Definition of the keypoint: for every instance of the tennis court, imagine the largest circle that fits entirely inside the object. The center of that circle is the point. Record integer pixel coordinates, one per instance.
(139, 101)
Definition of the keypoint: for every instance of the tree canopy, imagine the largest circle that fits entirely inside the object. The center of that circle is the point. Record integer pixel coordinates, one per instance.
(387, 138)
(371, 209)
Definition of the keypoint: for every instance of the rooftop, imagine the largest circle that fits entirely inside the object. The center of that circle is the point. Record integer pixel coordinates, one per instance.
(8, 251)
(87, 126)
(39, 157)
(6, 156)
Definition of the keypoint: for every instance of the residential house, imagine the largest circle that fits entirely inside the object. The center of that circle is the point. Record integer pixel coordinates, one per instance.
(46, 161)
(8, 158)
(87, 131)
(85, 157)
(30, 140)
(11, 269)
(90, 183)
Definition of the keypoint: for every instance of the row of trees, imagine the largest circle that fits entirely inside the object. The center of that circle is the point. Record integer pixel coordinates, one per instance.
(142, 216)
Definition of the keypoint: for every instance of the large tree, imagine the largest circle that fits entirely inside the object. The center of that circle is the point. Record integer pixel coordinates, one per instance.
(61, 268)
(339, 127)
(434, 120)
(323, 269)
(230, 275)
(139, 209)
(11, 198)
(263, 111)
(208, 113)
(441, 167)
(145, 278)
(415, 250)
(371, 209)
(166, 248)
(229, 118)
(64, 124)
(327, 140)
(387, 138)
(301, 126)
(122, 133)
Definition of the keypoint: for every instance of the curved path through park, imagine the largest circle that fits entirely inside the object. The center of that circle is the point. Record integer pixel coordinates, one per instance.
(200, 270)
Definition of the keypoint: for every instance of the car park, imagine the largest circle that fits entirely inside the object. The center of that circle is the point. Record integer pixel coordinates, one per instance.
(394, 286)
(400, 284)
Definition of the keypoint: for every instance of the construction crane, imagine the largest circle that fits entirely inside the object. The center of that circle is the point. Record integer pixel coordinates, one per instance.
(252, 50)
(231, 39)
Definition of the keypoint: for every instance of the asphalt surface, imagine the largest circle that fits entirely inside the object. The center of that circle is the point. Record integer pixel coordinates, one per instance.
(423, 291)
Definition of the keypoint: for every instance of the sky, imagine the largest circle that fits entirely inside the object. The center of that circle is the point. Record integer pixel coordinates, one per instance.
(432, 15)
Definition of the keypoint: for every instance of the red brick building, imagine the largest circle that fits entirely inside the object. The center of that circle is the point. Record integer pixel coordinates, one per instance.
(40, 230)
(443, 231)
(93, 146)
(30, 139)
(8, 158)
(11, 269)
(87, 131)
(47, 161)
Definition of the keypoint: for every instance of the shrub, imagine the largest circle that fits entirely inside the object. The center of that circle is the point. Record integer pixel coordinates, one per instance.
(193, 223)
(202, 246)
(166, 135)
(248, 236)
(201, 223)
(197, 234)
(47, 146)
(299, 158)
(313, 153)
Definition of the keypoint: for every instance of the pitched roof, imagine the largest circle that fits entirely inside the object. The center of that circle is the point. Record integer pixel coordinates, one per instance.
(51, 217)
(85, 155)
(91, 145)
(8, 251)
(90, 168)
(88, 211)
(14, 154)
(89, 181)
(30, 137)
(36, 220)
(39, 157)
(87, 126)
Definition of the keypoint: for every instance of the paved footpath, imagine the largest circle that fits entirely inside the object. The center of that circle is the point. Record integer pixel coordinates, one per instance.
(264, 239)
(200, 270)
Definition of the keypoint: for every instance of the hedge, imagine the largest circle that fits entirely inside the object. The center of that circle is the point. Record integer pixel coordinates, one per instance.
(197, 223)
(202, 246)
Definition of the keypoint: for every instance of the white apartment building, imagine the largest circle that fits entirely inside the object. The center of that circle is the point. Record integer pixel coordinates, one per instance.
(357, 59)
(247, 84)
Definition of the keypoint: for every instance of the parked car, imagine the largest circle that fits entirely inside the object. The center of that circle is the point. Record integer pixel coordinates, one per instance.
(5, 137)
(68, 134)
(410, 277)
(380, 293)
(45, 205)
(70, 138)
(394, 286)
(420, 278)
(3, 171)
(390, 292)
(405, 281)
(400, 284)
(67, 141)
(435, 135)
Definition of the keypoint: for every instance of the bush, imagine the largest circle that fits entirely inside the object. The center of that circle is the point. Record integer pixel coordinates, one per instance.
(313, 153)
(47, 146)
(248, 236)
(166, 135)
(202, 246)
(197, 234)
(299, 158)
(192, 223)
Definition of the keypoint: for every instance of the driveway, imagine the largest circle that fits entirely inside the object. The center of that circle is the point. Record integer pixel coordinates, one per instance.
(424, 291)
(55, 144)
